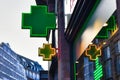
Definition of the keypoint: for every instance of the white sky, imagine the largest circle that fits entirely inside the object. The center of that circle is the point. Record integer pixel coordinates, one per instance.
(11, 32)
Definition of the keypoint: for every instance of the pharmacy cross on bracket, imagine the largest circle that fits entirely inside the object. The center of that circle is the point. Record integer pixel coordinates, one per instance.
(47, 52)
(39, 21)
(92, 52)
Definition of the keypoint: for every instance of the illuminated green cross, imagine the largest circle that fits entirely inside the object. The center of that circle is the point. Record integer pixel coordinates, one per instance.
(39, 21)
(104, 32)
(98, 73)
(92, 52)
(47, 52)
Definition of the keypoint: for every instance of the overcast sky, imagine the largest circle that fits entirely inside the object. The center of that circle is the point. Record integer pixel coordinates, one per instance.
(11, 32)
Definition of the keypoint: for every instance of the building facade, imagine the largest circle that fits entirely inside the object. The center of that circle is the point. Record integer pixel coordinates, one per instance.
(86, 22)
(32, 68)
(17, 67)
(10, 67)
(44, 75)
(84, 69)
(110, 59)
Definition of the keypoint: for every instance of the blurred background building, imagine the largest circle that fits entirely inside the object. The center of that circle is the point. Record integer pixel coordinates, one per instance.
(17, 67)
(32, 68)
(10, 67)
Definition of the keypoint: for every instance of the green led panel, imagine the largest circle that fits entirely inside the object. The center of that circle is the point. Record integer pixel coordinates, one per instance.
(39, 21)
(98, 73)
(47, 52)
(103, 34)
(92, 52)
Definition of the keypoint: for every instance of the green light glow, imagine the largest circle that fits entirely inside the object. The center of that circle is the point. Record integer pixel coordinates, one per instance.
(98, 73)
(39, 21)
(74, 71)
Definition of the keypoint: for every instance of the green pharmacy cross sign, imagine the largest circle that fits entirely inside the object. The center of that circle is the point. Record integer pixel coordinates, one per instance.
(39, 21)
(47, 52)
(104, 33)
(98, 73)
(92, 52)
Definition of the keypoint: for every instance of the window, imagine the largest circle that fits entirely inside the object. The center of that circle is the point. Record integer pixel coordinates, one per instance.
(44, 75)
(117, 47)
(34, 76)
(108, 69)
(30, 74)
(86, 68)
(117, 65)
(106, 53)
(91, 70)
(37, 76)
(27, 73)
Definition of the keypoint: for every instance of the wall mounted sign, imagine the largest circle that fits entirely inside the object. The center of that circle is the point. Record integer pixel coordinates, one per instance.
(39, 21)
(47, 52)
(92, 52)
(98, 73)
(104, 32)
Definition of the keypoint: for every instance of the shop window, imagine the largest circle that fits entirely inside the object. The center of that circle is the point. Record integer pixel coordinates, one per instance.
(91, 70)
(86, 68)
(117, 47)
(108, 69)
(117, 65)
(87, 77)
(106, 53)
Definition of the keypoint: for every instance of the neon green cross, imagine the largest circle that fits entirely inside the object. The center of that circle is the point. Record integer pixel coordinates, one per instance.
(98, 73)
(92, 52)
(47, 52)
(39, 21)
(104, 32)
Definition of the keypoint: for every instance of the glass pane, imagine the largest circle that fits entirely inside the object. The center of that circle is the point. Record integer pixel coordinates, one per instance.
(118, 65)
(106, 53)
(108, 71)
